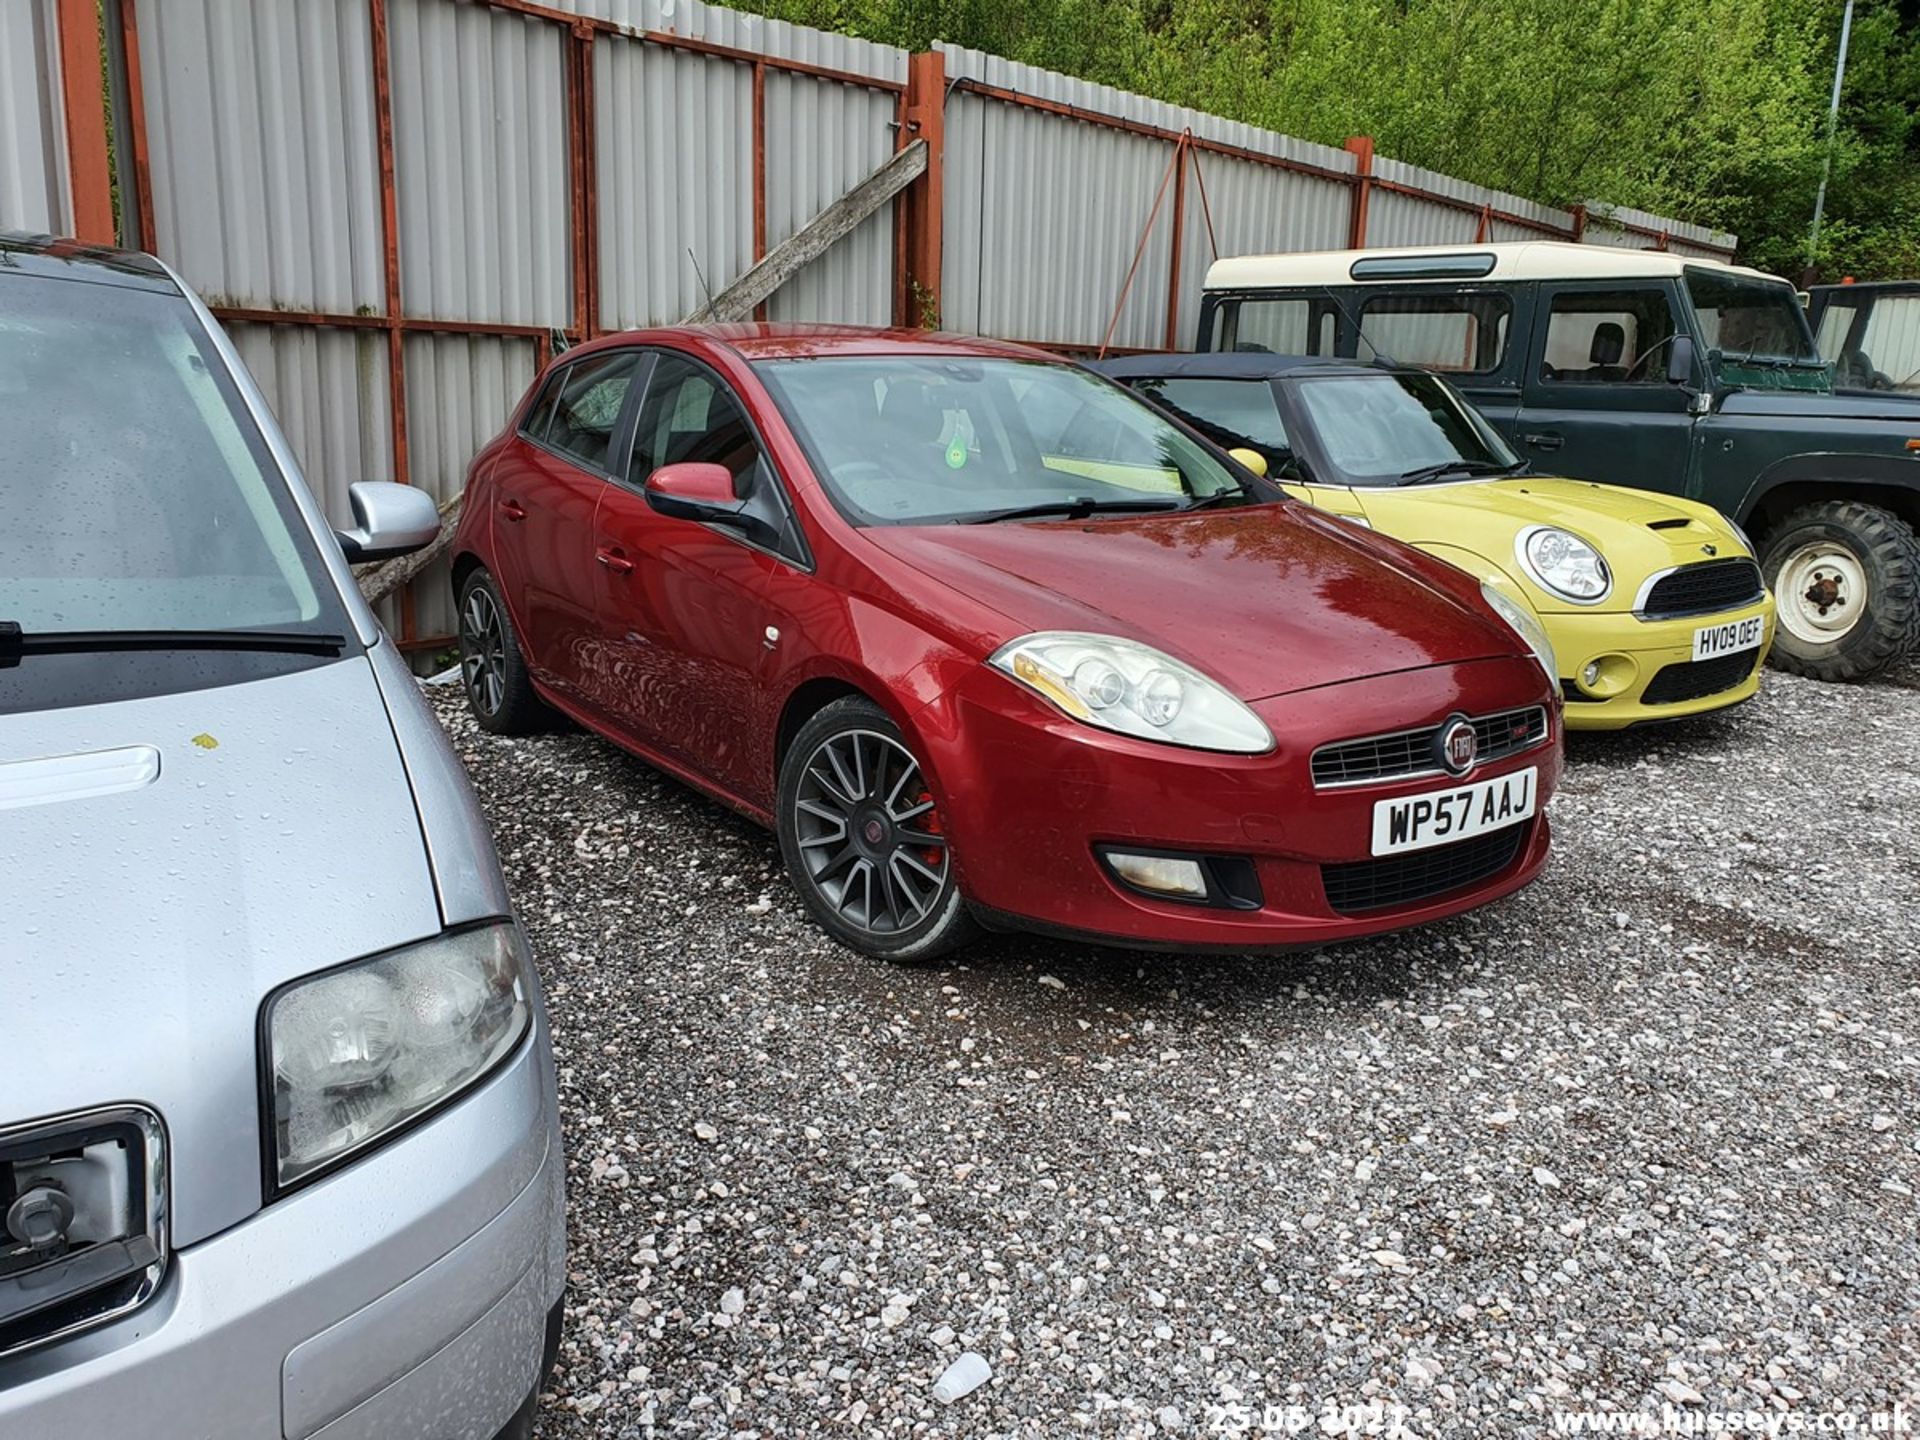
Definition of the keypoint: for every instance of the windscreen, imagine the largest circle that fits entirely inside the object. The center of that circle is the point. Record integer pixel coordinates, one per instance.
(921, 439)
(1385, 428)
(135, 496)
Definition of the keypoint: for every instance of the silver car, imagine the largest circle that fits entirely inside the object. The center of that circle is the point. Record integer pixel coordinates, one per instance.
(279, 1140)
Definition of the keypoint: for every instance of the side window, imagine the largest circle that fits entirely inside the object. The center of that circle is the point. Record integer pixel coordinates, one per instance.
(1613, 336)
(689, 415)
(587, 407)
(1275, 327)
(1462, 334)
(534, 427)
(1230, 413)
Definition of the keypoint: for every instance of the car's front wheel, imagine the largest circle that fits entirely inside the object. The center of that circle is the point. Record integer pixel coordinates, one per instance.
(861, 834)
(493, 671)
(1846, 579)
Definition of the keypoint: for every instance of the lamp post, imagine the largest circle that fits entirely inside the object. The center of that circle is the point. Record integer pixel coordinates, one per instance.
(1833, 121)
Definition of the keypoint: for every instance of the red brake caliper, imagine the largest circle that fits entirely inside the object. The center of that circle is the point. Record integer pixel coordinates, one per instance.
(930, 822)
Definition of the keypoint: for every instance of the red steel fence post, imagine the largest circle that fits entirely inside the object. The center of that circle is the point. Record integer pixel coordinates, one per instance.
(926, 112)
(1361, 147)
(84, 101)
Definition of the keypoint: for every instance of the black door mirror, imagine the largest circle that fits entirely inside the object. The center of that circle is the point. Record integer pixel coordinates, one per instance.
(1680, 360)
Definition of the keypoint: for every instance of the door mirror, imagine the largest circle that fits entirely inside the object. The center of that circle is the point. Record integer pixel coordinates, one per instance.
(1680, 360)
(389, 520)
(1250, 459)
(695, 490)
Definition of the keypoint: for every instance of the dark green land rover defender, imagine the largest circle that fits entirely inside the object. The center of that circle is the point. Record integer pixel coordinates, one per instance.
(1642, 368)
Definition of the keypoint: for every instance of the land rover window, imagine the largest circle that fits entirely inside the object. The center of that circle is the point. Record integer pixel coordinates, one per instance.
(1274, 327)
(1753, 328)
(1464, 334)
(1608, 336)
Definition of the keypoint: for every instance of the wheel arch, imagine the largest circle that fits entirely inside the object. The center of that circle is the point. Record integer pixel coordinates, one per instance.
(1889, 482)
(813, 693)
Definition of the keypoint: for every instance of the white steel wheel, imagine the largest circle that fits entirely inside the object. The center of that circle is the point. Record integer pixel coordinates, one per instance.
(1821, 591)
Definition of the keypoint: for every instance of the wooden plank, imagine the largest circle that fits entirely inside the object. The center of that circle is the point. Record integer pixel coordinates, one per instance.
(812, 240)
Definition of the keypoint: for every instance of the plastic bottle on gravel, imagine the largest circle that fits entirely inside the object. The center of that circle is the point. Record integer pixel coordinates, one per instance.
(962, 1378)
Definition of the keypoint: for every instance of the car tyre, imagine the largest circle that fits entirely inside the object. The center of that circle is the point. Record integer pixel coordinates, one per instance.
(493, 670)
(861, 836)
(1846, 580)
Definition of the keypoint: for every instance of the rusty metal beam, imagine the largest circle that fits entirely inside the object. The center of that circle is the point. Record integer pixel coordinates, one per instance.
(1141, 128)
(84, 106)
(926, 120)
(1179, 227)
(1361, 148)
(142, 227)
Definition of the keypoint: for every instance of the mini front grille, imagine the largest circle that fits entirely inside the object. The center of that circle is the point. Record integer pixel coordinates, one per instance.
(1411, 752)
(1395, 880)
(83, 1222)
(1703, 589)
(1697, 679)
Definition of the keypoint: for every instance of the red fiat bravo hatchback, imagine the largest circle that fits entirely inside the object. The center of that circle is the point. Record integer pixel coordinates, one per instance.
(989, 641)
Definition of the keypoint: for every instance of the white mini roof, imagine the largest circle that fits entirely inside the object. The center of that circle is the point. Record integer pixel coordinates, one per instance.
(1514, 260)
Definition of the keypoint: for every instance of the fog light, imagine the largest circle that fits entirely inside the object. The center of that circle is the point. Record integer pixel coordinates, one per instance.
(1606, 676)
(1160, 873)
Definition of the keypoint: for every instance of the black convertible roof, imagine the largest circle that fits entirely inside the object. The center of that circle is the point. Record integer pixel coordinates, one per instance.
(1229, 365)
(50, 257)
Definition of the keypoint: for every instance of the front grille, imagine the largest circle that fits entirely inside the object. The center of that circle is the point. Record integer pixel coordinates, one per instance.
(1394, 880)
(1697, 679)
(1703, 589)
(85, 1234)
(1411, 752)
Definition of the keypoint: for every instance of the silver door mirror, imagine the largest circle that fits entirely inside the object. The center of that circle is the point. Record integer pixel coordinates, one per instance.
(389, 520)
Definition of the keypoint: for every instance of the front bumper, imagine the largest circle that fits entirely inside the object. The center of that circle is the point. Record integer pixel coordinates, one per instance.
(1648, 647)
(1028, 795)
(405, 1295)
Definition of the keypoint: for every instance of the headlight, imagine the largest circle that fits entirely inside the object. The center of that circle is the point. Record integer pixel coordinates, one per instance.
(1564, 564)
(1528, 627)
(358, 1051)
(1131, 688)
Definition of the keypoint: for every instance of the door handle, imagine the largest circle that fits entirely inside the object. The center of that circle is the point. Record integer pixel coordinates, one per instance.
(614, 561)
(1545, 439)
(513, 510)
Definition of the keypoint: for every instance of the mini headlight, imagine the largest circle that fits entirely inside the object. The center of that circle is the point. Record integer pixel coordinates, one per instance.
(1131, 688)
(1564, 564)
(358, 1051)
(1528, 627)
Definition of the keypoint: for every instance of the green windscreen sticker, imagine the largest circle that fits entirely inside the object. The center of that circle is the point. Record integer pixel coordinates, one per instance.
(957, 453)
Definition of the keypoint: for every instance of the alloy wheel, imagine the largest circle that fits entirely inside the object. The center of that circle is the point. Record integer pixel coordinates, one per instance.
(868, 834)
(483, 651)
(1820, 590)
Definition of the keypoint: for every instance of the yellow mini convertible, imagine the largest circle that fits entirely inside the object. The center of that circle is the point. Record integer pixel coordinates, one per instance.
(1653, 605)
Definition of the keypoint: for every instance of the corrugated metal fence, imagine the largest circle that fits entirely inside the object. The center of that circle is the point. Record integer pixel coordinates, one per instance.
(397, 205)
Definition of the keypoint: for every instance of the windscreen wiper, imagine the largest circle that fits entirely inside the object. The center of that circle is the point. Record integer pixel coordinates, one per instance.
(1077, 508)
(16, 641)
(1422, 474)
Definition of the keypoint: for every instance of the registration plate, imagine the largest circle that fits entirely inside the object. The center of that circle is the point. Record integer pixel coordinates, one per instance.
(1712, 641)
(1438, 817)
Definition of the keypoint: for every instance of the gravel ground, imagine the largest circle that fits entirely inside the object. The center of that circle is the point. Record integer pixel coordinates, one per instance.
(1643, 1136)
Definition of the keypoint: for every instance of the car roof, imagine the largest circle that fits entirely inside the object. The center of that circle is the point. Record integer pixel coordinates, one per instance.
(53, 258)
(1511, 260)
(1232, 365)
(759, 340)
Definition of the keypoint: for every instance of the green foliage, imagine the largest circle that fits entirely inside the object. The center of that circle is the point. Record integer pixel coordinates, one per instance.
(1713, 110)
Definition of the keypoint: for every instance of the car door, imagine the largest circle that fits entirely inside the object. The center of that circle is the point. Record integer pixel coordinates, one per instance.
(681, 607)
(546, 487)
(1597, 404)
